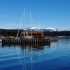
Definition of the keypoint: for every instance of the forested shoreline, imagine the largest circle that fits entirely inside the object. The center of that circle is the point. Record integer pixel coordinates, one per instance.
(13, 32)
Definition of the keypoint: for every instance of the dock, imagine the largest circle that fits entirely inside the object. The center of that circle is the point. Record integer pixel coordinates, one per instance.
(25, 41)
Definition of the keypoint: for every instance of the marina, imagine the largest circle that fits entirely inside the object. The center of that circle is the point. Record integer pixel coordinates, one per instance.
(34, 34)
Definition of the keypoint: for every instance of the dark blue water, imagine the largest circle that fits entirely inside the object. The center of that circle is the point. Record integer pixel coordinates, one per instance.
(53, 57)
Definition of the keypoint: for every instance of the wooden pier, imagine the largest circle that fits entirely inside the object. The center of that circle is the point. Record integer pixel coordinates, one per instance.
(25, 41)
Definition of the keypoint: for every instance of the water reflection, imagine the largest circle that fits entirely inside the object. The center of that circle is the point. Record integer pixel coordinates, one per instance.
(36, 46)
(57, 57)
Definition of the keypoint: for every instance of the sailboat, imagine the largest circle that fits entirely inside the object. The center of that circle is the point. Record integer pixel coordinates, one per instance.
(27, 37)
(24, 33)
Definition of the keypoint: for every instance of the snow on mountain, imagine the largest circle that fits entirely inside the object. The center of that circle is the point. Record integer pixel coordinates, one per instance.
(40, 29)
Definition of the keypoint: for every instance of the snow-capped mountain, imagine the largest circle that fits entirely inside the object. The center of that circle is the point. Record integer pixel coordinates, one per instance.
(40, 29)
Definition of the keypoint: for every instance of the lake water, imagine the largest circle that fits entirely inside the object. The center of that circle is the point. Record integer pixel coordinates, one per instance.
(53, 57)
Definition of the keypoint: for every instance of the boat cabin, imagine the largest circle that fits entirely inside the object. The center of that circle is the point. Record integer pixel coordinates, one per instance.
(35, 34)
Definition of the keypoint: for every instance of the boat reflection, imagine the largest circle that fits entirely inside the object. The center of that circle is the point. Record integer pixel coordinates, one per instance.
(36, 46)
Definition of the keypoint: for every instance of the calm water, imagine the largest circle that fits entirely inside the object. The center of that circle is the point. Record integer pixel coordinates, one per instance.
(53, 57)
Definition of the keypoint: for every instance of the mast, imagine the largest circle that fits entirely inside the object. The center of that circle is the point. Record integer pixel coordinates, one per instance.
(24, 22)
(23, 14)
(31, 22)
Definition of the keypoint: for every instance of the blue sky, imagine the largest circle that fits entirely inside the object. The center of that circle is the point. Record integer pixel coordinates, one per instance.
(44, 13)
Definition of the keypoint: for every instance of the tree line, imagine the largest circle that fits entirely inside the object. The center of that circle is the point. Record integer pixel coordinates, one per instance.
(13, 32)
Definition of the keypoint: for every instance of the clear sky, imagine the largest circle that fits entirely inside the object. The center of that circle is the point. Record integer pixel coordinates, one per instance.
(44, 13)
